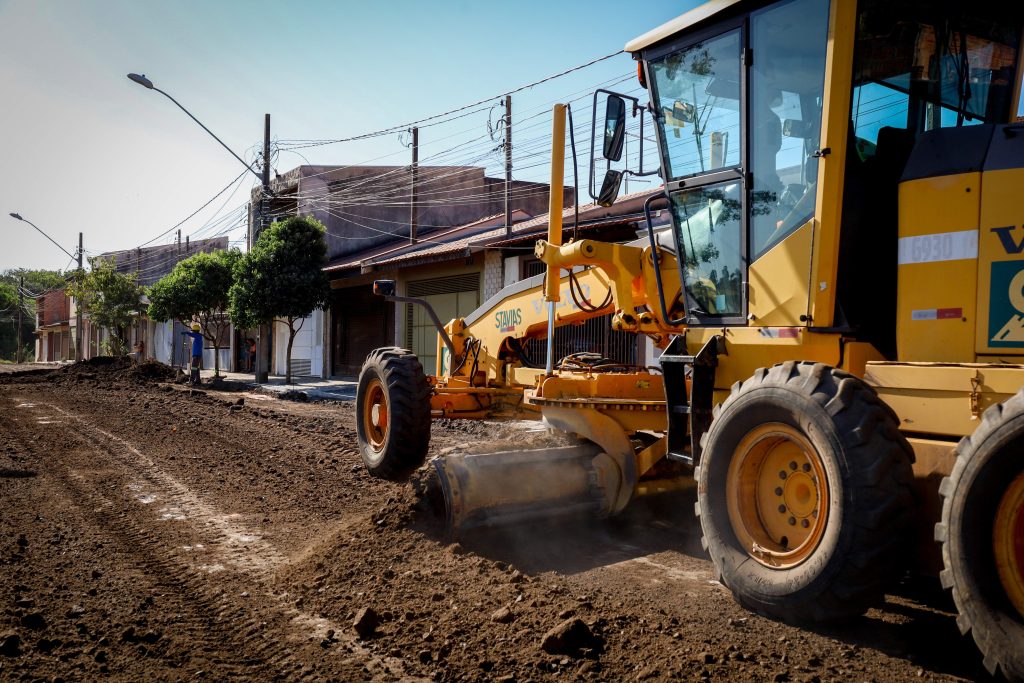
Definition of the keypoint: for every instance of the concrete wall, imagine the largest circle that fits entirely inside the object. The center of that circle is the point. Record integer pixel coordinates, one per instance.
(364, 206)
(307, 349)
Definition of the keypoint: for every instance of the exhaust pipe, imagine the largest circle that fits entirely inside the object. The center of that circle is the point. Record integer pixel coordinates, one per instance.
(513, 487)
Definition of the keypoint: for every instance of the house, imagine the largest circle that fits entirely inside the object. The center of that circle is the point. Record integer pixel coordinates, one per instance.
(161, 340)
(457, 271)
(54, 340)
(367, 211)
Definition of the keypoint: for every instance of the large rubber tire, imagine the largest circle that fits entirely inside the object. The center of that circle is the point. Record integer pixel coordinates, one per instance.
(856, 547)
(395, 443)
(988, 462)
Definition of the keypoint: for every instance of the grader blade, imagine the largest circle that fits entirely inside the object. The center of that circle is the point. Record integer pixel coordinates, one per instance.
(513, 487)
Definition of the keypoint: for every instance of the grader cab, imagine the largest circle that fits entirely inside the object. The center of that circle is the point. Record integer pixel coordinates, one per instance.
(839, 303)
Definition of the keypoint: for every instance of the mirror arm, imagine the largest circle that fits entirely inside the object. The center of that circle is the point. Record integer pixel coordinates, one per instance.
(593, 131)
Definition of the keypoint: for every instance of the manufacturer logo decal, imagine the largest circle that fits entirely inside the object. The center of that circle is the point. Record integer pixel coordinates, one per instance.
(1010, 245)
(508, 319)
(1006, 308)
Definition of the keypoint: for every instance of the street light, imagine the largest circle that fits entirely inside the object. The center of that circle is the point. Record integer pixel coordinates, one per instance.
(261, 372)
(25, 220)
(146, 83)
(78, 308)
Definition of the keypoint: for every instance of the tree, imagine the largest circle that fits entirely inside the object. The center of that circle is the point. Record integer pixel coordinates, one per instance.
(113, 300)
(36, 282)
(282, 278)
(197, 289)
(8, 311)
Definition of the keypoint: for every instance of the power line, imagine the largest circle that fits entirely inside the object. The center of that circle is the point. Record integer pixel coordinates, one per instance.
(208, 202)
(463, 108)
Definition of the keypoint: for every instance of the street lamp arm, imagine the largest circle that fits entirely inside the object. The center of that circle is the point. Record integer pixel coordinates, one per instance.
(240, 159)
(25, 220)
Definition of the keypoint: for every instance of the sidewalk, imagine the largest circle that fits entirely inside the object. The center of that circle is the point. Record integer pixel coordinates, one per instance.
(314, 387)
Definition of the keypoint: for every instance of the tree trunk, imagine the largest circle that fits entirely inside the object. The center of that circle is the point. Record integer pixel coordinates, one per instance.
(288, 356)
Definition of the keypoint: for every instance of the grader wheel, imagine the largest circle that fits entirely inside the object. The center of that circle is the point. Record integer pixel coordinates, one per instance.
(392, 413)
(804, 494)
(982, 537)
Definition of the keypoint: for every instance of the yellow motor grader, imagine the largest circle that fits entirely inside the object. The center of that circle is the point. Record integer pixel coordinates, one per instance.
(838, 302)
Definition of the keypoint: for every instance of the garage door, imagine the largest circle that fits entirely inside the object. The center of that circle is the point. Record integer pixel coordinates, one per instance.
(361, 322)
(451, 297)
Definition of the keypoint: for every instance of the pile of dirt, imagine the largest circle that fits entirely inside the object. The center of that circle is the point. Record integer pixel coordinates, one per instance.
(99, 369)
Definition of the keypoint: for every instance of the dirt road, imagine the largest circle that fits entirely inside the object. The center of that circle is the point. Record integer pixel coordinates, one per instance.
(152, 533)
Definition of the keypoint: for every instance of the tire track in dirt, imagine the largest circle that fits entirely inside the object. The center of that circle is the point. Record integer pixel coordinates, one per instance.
(275, 634)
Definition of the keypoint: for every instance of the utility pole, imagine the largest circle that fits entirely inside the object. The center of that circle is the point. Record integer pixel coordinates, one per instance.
(186, 245)
(414, 200)
(179, 240)
(262, 371)
(21, 307)
(508, 164)
(78, 308)
(265, 194)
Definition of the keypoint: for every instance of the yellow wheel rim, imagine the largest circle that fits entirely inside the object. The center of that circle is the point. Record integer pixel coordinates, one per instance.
(778, 496)
(1009, 542)
(375, 414)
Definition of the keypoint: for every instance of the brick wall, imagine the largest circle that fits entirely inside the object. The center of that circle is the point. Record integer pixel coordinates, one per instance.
(493, 276)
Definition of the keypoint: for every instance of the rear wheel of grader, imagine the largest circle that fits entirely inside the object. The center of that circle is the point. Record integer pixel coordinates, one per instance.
(392, 413)
(805, 494)
(982, 537)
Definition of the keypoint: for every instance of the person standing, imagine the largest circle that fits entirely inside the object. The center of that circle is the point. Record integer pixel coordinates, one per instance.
(197, 353)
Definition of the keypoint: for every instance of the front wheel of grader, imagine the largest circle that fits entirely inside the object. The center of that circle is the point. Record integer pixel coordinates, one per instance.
(804, 494)
(392, 413)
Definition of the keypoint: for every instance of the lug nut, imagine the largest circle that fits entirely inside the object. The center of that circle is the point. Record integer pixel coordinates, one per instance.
(778, 490)
(792, 521)
(805, 523)
(792, 465)
(782, 474)
(782, 508)
(807, 467)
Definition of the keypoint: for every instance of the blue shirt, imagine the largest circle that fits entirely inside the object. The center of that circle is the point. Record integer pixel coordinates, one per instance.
(197, 342)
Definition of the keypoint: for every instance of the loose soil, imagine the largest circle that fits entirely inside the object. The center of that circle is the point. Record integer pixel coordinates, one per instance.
(153, 532)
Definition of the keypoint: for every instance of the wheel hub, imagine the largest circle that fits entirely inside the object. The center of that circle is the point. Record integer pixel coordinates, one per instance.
(1008, 541)
(375, 414)
(778, 495)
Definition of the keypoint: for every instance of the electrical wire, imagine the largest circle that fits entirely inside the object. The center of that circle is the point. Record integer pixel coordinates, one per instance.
(463, 108)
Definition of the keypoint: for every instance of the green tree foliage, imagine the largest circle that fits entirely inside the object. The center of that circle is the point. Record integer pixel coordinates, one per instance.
(197, 289)
(8, 311)
(36, 282)
(111, 299)
(282, 278)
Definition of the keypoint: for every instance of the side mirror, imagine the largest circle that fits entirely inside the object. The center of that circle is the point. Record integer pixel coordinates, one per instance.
(610, 187)
(384, 287)
(614, 128)
(795, 128)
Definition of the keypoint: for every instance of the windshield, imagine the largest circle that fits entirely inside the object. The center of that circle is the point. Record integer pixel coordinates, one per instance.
(697, 91)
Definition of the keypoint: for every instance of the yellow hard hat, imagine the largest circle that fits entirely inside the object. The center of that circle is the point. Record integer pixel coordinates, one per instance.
(196, 327)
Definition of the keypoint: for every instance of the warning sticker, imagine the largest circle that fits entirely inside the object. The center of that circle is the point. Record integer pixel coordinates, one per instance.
(936, 313)
(779, 332)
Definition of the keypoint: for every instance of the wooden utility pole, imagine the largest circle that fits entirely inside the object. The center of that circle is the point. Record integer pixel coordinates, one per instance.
(413, 199)
(78, 308)
(21, 307)
(508, 164)
(261, 367)
(186, 244)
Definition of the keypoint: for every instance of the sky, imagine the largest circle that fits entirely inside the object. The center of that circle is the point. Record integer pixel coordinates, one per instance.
(86, 150)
